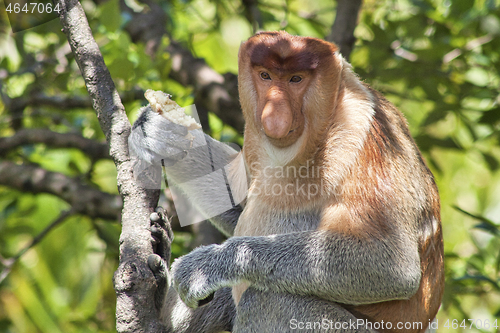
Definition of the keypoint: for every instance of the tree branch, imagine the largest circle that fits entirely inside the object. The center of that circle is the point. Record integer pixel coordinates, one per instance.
(82, 198)
(95, 150)
(135, 284)
(252, 14)
(33, 179)
(343, 27)
(61, 102)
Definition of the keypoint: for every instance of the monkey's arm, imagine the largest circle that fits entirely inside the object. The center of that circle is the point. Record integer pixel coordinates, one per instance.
(209, 173)
(322, 263)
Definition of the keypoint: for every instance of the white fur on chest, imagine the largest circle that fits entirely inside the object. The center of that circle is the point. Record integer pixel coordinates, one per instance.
(259, 220)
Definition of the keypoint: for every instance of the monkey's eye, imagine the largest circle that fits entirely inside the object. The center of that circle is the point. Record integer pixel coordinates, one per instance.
(295, 79)
(265, 76)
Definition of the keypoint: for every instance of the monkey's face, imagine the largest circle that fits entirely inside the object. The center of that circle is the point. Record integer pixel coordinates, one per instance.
(280, 81)
(279, 111)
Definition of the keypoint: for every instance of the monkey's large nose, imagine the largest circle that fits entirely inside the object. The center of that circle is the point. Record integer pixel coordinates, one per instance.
(277, 118)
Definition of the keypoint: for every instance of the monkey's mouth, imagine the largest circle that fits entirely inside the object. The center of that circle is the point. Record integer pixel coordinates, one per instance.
(283, 138)
(297, 131)
(289, 139)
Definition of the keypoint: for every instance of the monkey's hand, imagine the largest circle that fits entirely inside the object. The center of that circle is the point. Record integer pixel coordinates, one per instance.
(197, 275)
(161, 239)
(155, 138)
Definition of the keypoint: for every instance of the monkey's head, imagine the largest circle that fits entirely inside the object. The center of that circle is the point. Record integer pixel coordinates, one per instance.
(288, 87)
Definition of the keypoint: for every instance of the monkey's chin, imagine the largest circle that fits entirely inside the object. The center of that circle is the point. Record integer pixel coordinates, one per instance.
(287, 141)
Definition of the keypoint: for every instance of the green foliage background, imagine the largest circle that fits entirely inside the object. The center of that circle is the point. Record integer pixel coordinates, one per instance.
(437, 60)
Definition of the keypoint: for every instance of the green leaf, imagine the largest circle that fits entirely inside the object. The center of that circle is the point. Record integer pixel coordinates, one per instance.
(477, 76)
(479, 278)
(435, 116)
(426, 142)
(491, 116)
(486, 224)
(491, 160)
(110, 15)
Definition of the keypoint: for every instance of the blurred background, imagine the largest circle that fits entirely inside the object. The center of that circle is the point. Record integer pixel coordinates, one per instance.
(437, 60)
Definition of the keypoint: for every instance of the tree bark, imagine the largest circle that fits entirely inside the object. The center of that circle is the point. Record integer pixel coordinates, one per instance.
(343, 27)
(134, 282)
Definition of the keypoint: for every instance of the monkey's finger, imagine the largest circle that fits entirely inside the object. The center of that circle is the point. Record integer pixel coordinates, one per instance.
(161, 234)
(164, 221)
(160, 271)
(157, 265)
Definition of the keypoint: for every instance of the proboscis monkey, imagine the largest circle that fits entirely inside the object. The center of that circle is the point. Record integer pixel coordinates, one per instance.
(340, 229)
